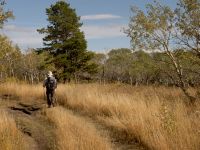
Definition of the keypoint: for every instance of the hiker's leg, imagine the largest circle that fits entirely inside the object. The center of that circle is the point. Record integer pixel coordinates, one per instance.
(53, 98)
(48, 98)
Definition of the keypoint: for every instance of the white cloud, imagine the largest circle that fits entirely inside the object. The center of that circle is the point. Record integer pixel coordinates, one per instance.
(100, 17)
(107, 31)
(25, 37)
(28, 37)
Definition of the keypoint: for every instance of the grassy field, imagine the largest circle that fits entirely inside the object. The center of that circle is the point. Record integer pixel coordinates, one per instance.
(10, 137)
(74, 133)
(155, 117)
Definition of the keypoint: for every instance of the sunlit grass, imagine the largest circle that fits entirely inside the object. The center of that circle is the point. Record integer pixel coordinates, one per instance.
(10, 137)
(75, 133)
(22, 91)
(156, 116)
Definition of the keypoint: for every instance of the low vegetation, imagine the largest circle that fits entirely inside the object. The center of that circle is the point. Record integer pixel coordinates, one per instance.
(156, 117)
(10, 137)
(74, 133)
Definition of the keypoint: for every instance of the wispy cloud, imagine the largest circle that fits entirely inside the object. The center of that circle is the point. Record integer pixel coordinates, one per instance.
(28, 37)
(13, 28)
(106, 31)
(25, 37)
(100, 17)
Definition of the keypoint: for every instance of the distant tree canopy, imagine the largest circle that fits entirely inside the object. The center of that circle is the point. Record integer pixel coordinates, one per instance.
(142, 68)
(15, 65)
(65, 42)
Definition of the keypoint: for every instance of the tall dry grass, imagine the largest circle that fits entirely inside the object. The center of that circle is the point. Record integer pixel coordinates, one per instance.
(10, 137)
(74, 133)
(155, 116)
(22, 90)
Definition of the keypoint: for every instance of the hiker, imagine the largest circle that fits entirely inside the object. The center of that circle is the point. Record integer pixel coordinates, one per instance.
(51, 84)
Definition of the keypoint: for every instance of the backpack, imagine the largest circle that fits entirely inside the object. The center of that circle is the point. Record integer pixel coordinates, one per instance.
(50, 84)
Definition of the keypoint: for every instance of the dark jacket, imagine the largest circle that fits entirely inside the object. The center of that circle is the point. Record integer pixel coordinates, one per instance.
(50, 83)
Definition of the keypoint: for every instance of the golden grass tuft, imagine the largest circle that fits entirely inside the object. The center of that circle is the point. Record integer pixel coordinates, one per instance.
(74, 133)
(22, 90)
(10, 137)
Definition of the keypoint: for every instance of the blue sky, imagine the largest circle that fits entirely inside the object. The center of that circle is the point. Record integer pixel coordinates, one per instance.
(103, 21)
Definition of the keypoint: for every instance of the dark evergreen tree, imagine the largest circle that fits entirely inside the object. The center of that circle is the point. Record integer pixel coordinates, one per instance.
(65, 42)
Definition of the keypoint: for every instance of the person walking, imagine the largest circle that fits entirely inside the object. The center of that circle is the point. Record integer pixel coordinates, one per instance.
(51, 84)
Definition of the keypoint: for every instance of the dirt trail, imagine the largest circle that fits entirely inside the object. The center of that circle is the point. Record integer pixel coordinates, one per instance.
(118, 142)
(39, 132)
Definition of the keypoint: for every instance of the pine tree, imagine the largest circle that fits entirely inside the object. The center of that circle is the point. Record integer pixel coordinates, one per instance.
(64, 41)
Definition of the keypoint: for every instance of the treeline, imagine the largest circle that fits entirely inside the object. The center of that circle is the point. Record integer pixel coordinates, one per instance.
(142, 68)
(16, 65)
(170, 38)
(118, 65)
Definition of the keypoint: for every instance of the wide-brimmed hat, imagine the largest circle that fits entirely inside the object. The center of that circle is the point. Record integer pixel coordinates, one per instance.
(49, 74)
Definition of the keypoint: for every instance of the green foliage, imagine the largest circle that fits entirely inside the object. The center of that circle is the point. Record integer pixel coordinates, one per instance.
(118, 63)
(188, 18)
(191, 65)
(151, 30)
(143, 67)
(130, 67)
(65, 42)
(164, 29)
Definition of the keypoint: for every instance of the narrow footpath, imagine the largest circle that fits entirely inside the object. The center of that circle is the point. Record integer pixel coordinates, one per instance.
(39, 131)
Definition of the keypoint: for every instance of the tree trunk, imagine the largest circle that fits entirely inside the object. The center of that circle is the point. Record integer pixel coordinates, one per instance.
(31, 78)
(131, 81)
(179, 72)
